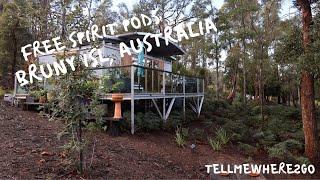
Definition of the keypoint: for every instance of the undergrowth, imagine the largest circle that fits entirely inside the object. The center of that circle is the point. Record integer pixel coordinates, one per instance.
(280, 134)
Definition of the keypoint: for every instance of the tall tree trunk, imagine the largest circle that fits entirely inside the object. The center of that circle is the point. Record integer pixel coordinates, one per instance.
(217, 67)
(232, 93)
(307, 90)
(1, 8)
(14, 62)
(244, 58)
(261, 87)
(256, 86)
(64, 14)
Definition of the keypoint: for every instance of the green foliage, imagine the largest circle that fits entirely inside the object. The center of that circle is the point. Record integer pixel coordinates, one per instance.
(238, 130)
(267, 139)
(283, 112)
(302, 160)
(215, 144)
(285, 149)
(38, 93)
(148, 121)
(181, 136)
(112, 84)
(247, 148)
(76, 99)
(174, 121)
(198, 134)
(222, 136)
(2, 92)
(243, 125)
(221, 139)
(14, 22)
(277, 152)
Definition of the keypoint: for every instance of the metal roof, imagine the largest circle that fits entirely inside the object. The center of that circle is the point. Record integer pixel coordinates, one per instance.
(162, 51)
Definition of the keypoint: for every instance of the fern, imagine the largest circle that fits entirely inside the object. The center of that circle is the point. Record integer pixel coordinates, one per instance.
(215, 144)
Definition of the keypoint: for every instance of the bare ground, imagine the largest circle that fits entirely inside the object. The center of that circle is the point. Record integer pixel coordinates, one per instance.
(30, 149)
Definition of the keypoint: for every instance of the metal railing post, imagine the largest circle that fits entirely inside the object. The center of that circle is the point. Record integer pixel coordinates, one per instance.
(132, 99)
(184, 98)
(164, 98)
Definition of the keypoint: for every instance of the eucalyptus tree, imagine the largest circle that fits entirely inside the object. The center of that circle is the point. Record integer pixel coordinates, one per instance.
(236, 19)
(171, 12)
(307, 83)
(13, 34)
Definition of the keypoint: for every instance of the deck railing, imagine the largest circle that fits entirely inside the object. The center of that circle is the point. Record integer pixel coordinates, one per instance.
(151, 81)
(143, 80)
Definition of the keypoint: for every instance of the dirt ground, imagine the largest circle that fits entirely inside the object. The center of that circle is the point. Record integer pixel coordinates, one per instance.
(30, 149)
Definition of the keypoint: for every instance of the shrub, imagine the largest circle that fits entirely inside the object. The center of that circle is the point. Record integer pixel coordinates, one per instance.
(279, 126)
(198, 134)
(148, 121)
(215, 144)
(279, 152)
(145, 122)
(299, 135)
(222, 136)
(213, 120)
(285, 150)
(2, 92)
(302, 160)
(268, 138)
(238, 130)
(210, 105)
(125, 124)
(293, 144)
(283, 112)
(181, 136)
(247, 148)
(185, 132)
(174, 121)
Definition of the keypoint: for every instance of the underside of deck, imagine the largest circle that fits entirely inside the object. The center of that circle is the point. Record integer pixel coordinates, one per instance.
(166, 100)
(143, 83)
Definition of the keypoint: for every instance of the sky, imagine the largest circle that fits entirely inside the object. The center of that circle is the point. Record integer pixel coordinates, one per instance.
(285, 11)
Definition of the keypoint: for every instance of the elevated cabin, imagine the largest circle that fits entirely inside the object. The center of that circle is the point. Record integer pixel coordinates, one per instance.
(151, 79)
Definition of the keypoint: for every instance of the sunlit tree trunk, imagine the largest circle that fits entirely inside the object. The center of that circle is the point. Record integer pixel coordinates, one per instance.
(307, 89)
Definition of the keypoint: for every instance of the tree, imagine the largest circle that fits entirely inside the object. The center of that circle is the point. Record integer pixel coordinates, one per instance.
(13, 35)
(307, 87)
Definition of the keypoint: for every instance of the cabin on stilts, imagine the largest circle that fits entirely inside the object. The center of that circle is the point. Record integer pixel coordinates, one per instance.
(145, 76)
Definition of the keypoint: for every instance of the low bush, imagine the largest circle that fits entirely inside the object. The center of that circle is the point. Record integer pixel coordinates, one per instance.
(302, 160)
(222, 136)
(181, 136)
(2, 92)
(145, 122)
(148, 121)
(247, 148)
(280, 133)
(215, 144)
(279, 152)
(238, 130)
(268, 139)
(221, 139)
(285, 150)
(198, 134)
(215, 120)
(283, 112)
(174, 121)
